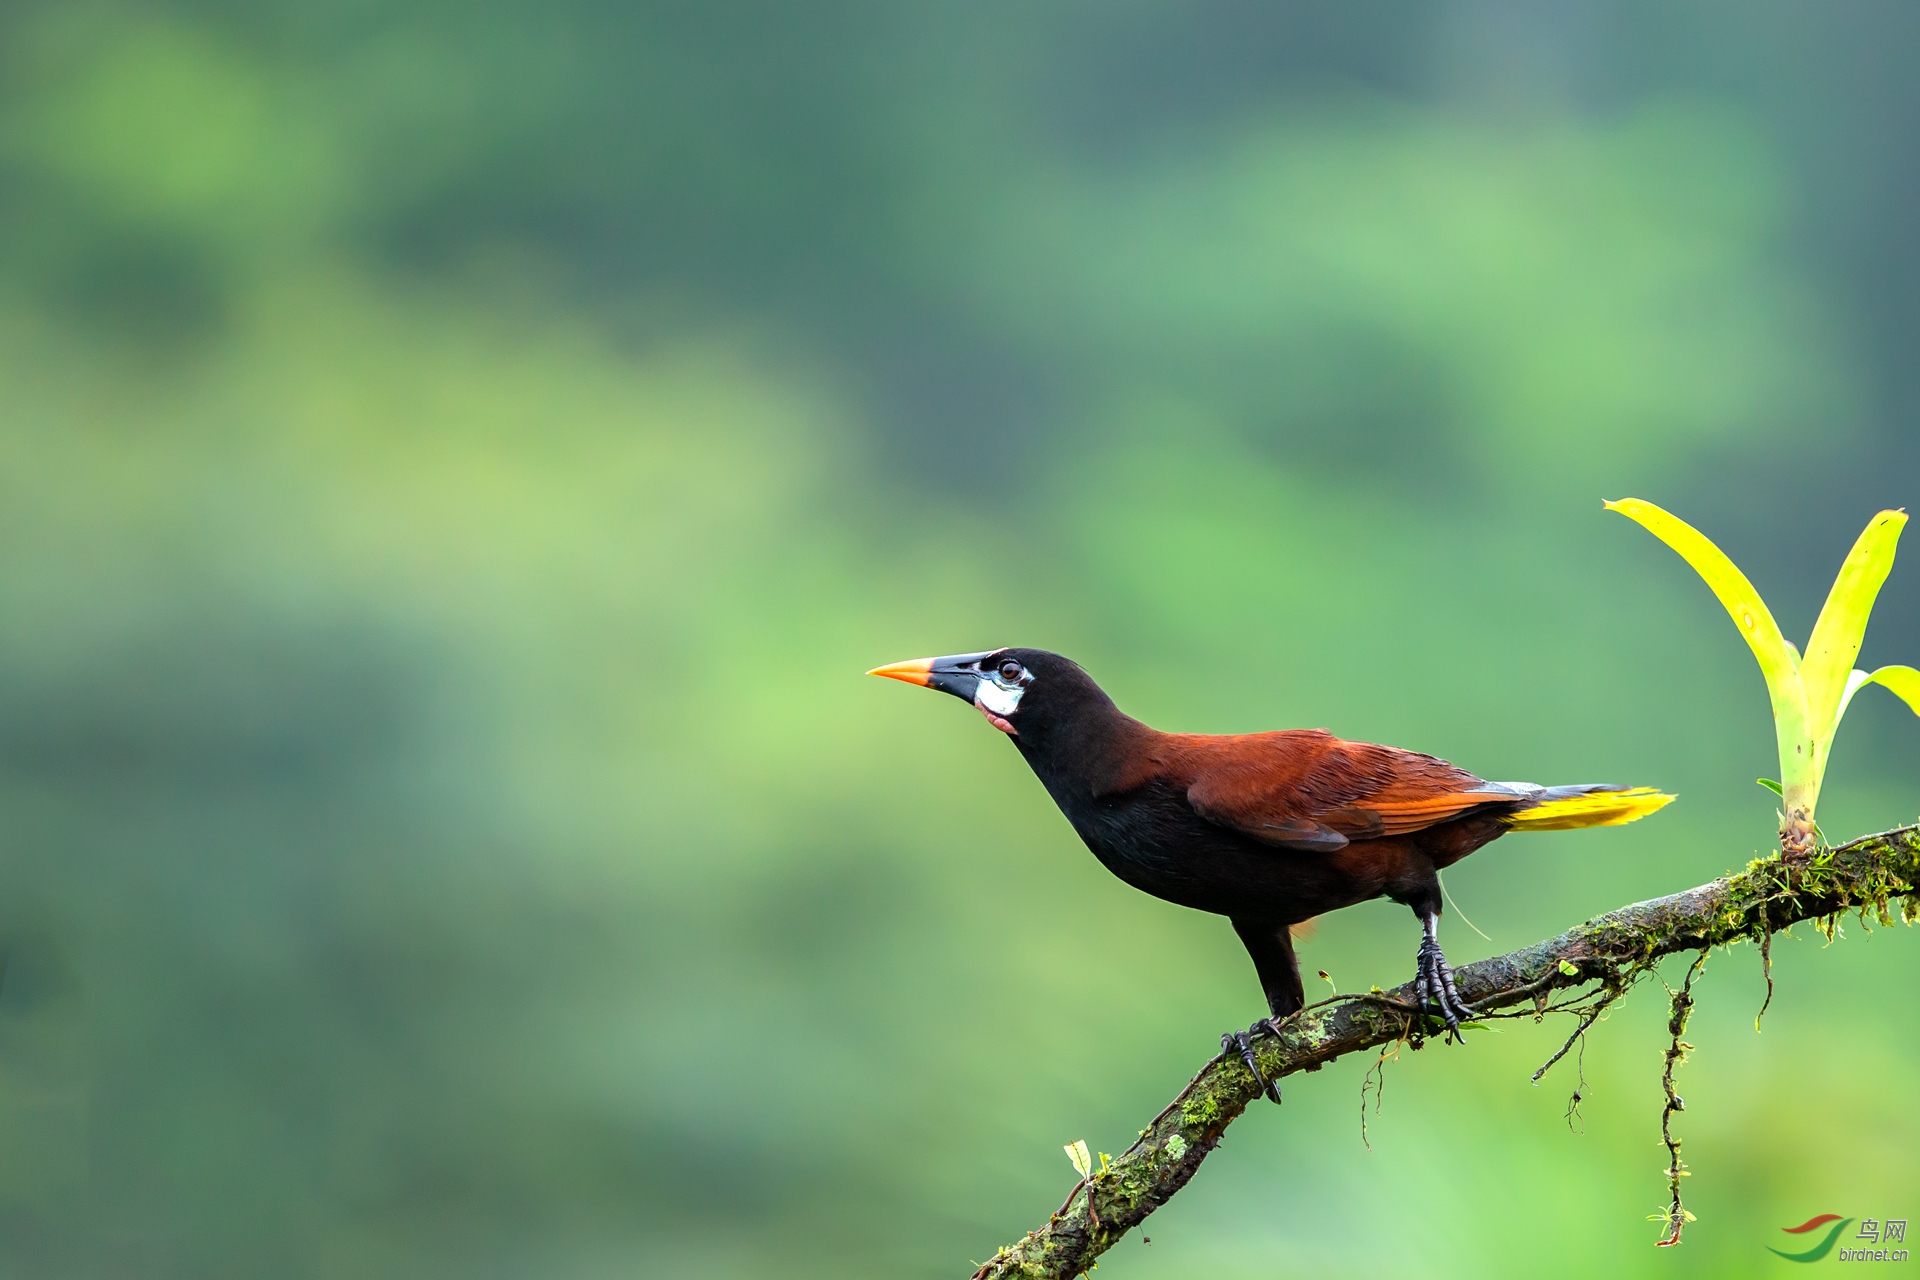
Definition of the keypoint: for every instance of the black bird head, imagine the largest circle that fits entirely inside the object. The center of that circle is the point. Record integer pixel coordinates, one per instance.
(1023, 692)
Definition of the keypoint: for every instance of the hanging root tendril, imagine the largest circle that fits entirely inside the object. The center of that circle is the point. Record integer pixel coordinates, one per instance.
(1676, 1215)
(1376, 1077)
(1766, 962)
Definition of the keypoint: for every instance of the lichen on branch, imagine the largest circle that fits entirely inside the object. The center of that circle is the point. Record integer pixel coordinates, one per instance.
(1874, 875)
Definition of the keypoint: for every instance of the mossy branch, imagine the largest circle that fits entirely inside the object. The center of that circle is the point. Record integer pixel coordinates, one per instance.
(1867, 875)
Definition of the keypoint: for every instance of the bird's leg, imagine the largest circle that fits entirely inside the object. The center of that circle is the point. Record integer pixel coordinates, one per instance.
(1271, 946)
(1433, 978)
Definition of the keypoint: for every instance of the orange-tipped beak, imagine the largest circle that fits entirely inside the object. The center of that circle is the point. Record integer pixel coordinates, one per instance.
(917, 671)
(957, 674)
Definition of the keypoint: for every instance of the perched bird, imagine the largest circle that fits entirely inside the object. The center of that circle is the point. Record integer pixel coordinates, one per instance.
(1266, 829)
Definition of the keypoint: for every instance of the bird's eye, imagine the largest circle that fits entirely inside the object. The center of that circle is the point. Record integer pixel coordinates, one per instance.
(1010, 671)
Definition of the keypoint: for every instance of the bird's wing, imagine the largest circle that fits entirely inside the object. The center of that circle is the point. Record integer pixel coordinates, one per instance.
(1311, 791)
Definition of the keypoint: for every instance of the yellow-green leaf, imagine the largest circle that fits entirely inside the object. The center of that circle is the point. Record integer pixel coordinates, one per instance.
(1855, 679)
(1836, 636)
(1904, 681)
(1081, 1157)
(1778, 662)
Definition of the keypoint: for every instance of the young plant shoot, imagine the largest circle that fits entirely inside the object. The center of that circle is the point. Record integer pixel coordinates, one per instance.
(1810, 693)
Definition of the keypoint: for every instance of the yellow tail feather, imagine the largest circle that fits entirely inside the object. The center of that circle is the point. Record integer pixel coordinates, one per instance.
(1591, 809)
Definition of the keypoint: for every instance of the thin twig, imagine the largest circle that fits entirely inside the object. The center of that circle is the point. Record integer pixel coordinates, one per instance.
(1593, 1015)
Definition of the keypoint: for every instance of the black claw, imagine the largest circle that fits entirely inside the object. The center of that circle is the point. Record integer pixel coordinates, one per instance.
(1433, 984)
(1238, 1042)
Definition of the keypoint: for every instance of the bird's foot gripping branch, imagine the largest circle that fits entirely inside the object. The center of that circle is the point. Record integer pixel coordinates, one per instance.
(1876, 875)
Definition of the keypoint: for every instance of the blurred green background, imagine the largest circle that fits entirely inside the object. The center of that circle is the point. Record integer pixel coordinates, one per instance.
(458, 460)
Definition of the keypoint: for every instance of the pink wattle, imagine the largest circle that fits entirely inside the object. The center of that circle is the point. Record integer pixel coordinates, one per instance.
(997, 722)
